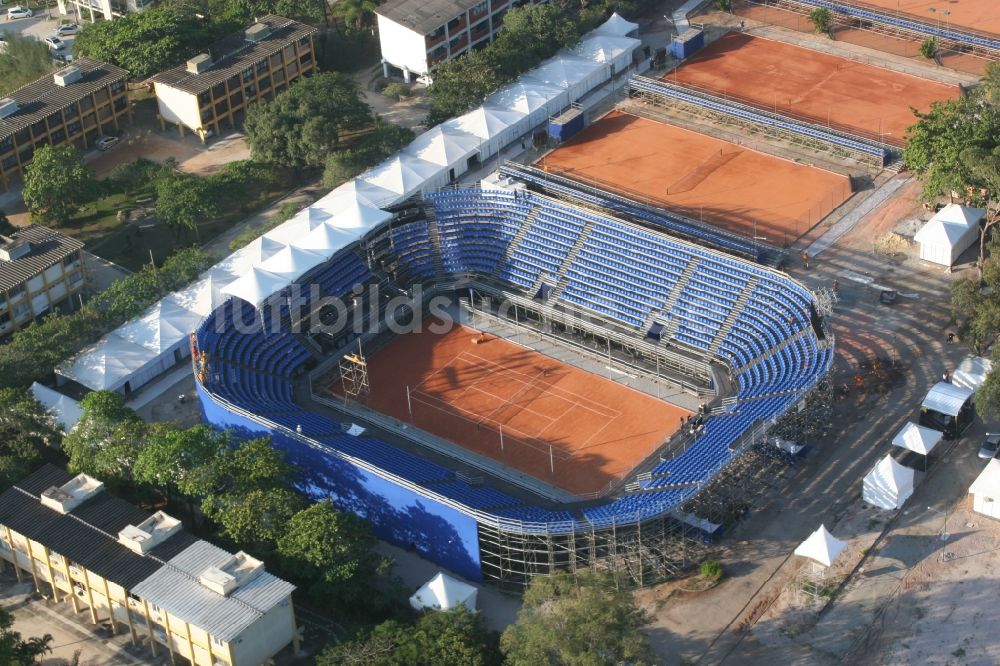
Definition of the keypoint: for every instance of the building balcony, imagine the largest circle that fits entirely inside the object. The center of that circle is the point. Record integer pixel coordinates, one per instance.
(431, 42)
(458, 45)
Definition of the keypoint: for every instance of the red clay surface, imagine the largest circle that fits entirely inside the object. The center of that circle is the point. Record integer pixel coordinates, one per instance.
(824, 89)
(706, 178)
(467, 393)
(976, 15)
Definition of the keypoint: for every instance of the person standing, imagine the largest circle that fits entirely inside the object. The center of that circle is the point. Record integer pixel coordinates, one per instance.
(805, 258)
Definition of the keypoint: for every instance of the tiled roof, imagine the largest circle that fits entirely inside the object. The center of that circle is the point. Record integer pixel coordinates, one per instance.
(232, 55)
(47, 248)
(40, 99)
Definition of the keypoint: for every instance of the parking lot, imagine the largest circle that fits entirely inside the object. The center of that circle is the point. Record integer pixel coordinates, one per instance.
(38, 26)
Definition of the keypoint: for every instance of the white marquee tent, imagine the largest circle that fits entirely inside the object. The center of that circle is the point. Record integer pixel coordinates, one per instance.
(326, 238)
(357, 219)
(64, 410)
(163, 329)
(530, 97)
(405, 175)
(201, 297)
(446, 146)
(356, 191)
(985, 490)
(946, 398)
(971, 372)
(821, 546)
(114, 364)
(494, 127)
(946, 235)
(257, 285)
(575, 75)
(293, 262)
(617, 26)
(444, 593)
(917, 438)
(607, 49)
(888, 485)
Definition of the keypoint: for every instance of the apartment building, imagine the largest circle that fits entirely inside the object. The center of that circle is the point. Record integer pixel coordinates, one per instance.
(142, 573)
(213, 89)
(97, 10)
(415, 35)
(75, 105)
(40, 270)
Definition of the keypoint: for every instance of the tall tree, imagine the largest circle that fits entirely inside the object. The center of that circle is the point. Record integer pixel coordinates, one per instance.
(176, 460)
(184, 202)
(56, 182)
(23, 60)
(356, 13)
(577, 621)
(18, 651)
(302, 125)
(26, 433)
(107, 438)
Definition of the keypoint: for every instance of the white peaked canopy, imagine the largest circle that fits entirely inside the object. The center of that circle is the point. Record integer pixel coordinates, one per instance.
(946, 398)
(257, 286)
(821, 546)
(111, 363)
(888, 485)
(446, 146)
(163, 328)
(616, 26)
(917, 438)
(494, 127)
(608, 49)
(293, 262)
(327, 239)
(357, 218)
(576, 75)
(65, 411)
(985, 490)
(946, 235)
(444, 593)
(971, 372)
(260, 250)
(403, 174)
(532, 98)
(356, 191)
(201, 297)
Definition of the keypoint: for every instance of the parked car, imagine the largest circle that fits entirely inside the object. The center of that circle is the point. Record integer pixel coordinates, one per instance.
(67, 29)
(62, 57)
(106, 142)
(54, 42)
(990, 445)
(19, 12)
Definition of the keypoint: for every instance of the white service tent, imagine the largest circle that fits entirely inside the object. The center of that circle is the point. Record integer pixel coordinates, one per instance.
(446, 146)
(888, 485)
(946, 235)
(971, 372)
(405, 175)
(532, 98)
(613, 51)
(64, 410)
(917, 438)
(327, 239)
(985, 490)
(821, 546)
(444, 593)
(946, 398)
(617, 26)
(358, 219)
(575, 75)
(115, 364)
(293, 262)
(257, 285)
(203, 296)
(356, 191)
(163, 329)
(494, 127)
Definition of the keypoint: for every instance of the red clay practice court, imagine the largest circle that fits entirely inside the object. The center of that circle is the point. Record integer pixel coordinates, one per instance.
(980, 16)
(864, 99)
(703, 177)
(467, 393)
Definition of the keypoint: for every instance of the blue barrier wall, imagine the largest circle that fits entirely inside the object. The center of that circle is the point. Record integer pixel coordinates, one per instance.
(440, 533)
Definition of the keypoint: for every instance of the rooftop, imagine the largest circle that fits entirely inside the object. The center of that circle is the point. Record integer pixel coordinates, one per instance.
(45, 248)
(39, 99)
(424, 16)
(232, 55)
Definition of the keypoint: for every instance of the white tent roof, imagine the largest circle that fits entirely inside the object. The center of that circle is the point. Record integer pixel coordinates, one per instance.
(617, 26)
(257, 286)
(949, 225)
(201, 297)
(525, 96)
(605, 48)
(444, 593)
(971, 372)
(486, 123)
(946, 398)
(988, 481)
(402, 174)
(108, 364)
(917, 438)
(357, 216)
(356, 191)
(888, 485)
(564, 70)
(293, 262)
(161, 327)
(445, 146)
(821, 546)
(65, 410)
(260, 249)
(327, 239)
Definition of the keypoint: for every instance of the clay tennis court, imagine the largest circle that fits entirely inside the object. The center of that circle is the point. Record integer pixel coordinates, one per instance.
(467, 393)
(982, 16)
(814, 86)
(706, 178)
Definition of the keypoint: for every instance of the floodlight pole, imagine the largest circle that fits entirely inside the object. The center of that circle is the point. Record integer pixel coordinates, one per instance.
(409, 405)
(500, 426)
(552, 460)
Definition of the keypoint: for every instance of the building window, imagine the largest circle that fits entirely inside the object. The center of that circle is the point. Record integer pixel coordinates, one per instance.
(101, 95)
(74, 127)
(247, 74)
(204, 98)
(479, 9)
(20, 310)
(75, 277)
(262, 66)
(69, 261)
(9, 163)
(306, 58)
(265, 82)
(121, 103)
(6, 144)
(250, 90)
(16, 293)
(304, 41)
(58, 135)
(118, 86)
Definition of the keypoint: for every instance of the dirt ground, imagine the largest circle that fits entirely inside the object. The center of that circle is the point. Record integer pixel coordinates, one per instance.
(470, 393)
(802, 83)
(737, 188)
(976, 15)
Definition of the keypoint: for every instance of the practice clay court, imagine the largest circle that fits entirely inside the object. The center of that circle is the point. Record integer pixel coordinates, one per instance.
(468, 390)
(706, 178)
(975, 15)
(867, 100)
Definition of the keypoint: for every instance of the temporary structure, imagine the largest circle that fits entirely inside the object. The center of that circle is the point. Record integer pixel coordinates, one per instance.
(888, 485)
(65, 411)
(444, 593)
(327, 239)
(576, 75)
(114, 364)
(448, 147)
(536, 100)
(163, 329)
(917, 438)
(971, 372)
(617, 27)
(613, 51)
(494, 127)
(946, 398)
(985, 490)
(257, 286)
(356, 191)
(406, 175)
(202, 297)
(821, 546)
(946, 235)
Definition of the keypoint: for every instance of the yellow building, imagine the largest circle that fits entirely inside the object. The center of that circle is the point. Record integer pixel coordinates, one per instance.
(173, 592)
(214, 89)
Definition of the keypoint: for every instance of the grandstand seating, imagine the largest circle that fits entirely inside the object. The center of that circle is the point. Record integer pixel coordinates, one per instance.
(756, 319)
